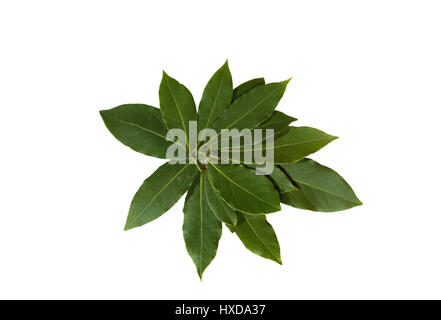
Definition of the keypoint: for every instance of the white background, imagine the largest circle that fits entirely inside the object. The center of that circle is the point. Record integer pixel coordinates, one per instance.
(366, 71)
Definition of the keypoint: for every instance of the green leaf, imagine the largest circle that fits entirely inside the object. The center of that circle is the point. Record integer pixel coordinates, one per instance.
(202, 230)
(252, 108)
(297, 199)
(177, 104)
(139, 127)
(258, 236)
(247, 86)
(159, 192)
(243, 190)
(278, 177)
(321, 188)
(216, 97)
(290, 145)
(257, 143)
(298, 143)
(282, 182)
(278, 121)
(219, 207)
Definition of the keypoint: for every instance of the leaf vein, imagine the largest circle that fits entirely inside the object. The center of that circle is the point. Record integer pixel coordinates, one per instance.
(233, 182)
(258, 237)
(215, 100)
(157, 194)
(179, 111)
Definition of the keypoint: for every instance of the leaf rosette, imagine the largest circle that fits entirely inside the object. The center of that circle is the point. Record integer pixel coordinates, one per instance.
(221, 189)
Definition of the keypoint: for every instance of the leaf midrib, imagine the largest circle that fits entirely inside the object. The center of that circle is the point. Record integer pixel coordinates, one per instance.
(137, 126)
(252, 109)
(321, 189)
(291, 144)
(244, 115)
(218, 196)
(202, 220)
(179, 111)
(261, 240)
(276, 133)
(215, 100)
(232, 181)
(157, 194)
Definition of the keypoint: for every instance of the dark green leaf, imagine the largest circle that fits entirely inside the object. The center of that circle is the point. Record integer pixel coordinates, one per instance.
(281, 181)
(290, 145)
(278, 177)
(321, 188)
(298, 143)
(177, 104)
(247, 86)
(278, 121)
(257, 143)
(216, 97)
(258, 236)
(298, 200)
(202, 230)
(252, 108)
(219, 207)
(243, 190)
(139, 127)
(159, 192)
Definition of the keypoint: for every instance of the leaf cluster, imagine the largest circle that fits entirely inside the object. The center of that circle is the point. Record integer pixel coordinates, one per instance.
(230, 194)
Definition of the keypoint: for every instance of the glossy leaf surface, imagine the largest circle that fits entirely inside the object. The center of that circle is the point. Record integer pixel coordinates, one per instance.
(258, 236)
(202, 230)
(159, 192)
(247, 86)
(252, 108)
(139, 127)
(298, 143)
(321, 188)
(278, 177)
(177, 104)
(278, 121)
(216, 97)
(219, 207)
(290, 144)
(243, 190)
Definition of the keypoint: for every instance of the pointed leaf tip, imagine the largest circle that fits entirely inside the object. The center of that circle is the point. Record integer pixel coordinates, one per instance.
(216, 97)
(298, 143)
(320, 188)
(288, 81)
(159, 192)
(201, 229)
(129, 225)
(258, 236)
